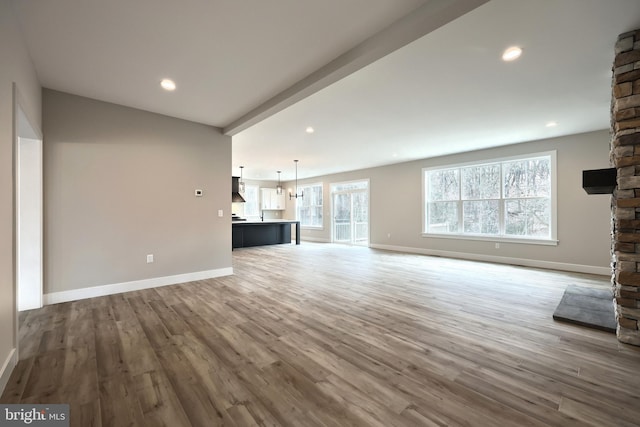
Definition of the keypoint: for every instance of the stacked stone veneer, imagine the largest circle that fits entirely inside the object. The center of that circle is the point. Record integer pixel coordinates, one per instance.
(625, 156)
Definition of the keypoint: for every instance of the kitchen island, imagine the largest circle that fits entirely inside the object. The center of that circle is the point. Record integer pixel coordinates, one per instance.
(259, 233)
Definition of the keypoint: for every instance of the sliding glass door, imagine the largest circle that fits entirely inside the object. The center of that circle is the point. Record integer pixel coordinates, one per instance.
(350, 220)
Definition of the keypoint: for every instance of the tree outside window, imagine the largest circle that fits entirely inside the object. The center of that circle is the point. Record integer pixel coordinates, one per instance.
(252, 200)
(509, 198)
(309, 208)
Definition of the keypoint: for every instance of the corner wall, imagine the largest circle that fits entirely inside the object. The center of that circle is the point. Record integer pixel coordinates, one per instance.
(625, 207)
(16, 68)
(119, 185)
(396, 208)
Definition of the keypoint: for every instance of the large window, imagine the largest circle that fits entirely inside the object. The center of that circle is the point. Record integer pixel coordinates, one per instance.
(508, 199)
(309, 208)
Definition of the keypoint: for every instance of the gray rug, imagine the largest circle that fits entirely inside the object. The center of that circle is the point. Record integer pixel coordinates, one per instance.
(588, 307)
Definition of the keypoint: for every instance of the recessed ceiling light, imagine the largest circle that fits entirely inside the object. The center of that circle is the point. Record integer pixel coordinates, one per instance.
(551, 124)
(168, 84)
(310, 129)
(512, 53)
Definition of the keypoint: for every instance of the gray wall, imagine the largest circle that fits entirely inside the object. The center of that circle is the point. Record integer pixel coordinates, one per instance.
(16, 67)
(119, 184)
(396, 206)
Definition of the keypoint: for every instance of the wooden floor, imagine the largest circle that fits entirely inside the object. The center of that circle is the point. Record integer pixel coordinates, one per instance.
(324, 335)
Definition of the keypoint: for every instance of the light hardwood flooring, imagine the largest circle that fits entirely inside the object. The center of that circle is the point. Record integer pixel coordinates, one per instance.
(326, 335)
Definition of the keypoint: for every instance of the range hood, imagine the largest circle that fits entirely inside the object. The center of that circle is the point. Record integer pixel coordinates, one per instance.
(235, 193)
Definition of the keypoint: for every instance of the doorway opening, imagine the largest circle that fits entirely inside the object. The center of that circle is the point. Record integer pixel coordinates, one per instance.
(350, 213)
(29, 213)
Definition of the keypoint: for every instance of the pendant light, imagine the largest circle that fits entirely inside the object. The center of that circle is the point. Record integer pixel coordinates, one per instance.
(279, 187)
(241, 182)
(301, 195)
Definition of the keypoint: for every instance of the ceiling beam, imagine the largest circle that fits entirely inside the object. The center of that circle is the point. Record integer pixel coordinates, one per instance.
(427, 18)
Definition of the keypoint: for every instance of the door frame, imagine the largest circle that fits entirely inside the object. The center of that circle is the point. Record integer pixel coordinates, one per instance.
(333, 193)
(31, 159)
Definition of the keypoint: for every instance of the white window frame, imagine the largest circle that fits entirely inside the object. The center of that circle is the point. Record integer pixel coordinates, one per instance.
(333, 190)
(552, 240)
(306, 190)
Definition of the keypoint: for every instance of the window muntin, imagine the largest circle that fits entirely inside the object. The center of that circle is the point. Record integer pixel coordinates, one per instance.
(511, 198)
(309, 208)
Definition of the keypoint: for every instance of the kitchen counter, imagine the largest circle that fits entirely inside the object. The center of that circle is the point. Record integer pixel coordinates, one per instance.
(267, 232)
(268, 221)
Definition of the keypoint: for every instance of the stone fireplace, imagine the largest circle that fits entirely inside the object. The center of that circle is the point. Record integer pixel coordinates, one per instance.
(625, 203)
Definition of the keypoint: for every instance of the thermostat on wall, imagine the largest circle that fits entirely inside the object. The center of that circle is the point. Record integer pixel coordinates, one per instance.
(198, 193)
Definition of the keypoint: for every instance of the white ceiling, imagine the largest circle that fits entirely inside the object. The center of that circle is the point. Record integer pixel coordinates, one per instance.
(264, 71)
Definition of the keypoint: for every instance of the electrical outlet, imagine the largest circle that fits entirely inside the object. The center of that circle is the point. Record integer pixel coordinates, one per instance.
(220, 213)
(149, 258)
(497, 245)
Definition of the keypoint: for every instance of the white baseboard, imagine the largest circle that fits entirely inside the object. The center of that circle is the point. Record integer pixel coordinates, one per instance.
(563, 266)
(7, 369)
(314, 239)
(136, 285)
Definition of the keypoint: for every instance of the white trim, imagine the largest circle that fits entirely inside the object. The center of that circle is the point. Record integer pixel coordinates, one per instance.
(554, 194)
(136, 285)
(492, 238)
(315, 239)
(22, 128)
(7, 368)
(550, 265)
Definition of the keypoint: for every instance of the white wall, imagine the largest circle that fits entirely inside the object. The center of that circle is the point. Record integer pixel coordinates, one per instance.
(119, 185)
(583, 220)
(16, 67)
